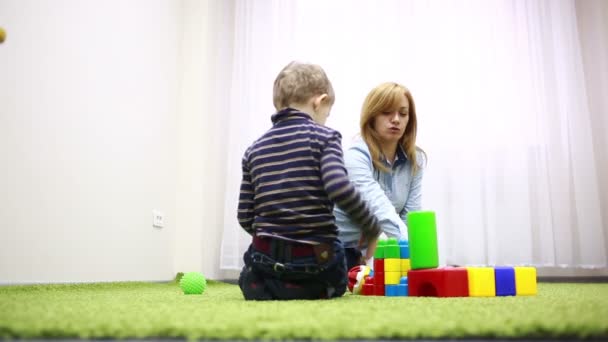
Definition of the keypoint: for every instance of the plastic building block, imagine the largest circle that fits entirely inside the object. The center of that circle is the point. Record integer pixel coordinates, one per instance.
(368, 286)
(404, 252)
(379, 265)
(405, 267)
(392, 265)
(392, 278)
(402, 290)
(391, 290)
(438, 282)
(422, 232)
(379, 252)
(392, 249)
(505, 281)
(481, 282)
(379, 279)
(525, 281)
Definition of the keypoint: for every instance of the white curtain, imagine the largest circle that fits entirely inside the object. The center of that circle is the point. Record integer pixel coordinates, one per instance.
(502, 110)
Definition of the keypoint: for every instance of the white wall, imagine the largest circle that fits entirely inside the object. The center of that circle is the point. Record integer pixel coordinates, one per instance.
(201, 136)
(88, 122)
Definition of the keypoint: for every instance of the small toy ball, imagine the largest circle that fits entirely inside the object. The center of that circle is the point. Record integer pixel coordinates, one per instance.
(193, 283)
(2, 35)
(356, 277)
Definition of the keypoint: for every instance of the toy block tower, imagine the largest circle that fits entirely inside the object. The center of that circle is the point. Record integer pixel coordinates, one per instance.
(404, 268)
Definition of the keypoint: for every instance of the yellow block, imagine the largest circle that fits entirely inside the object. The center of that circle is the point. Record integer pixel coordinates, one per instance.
(392, 278)
(405, 266)
(481, 281)
(525, 281)
(392, 265)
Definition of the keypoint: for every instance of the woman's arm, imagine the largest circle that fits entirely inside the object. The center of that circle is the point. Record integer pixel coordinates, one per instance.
(342, 192)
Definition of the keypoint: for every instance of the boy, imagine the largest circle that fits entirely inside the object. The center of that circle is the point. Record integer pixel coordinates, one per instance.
(292, 176)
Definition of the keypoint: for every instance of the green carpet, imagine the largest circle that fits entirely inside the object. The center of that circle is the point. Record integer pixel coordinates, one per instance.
(143, 310)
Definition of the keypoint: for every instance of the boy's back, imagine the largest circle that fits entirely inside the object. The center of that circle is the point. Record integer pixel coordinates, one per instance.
(284, 167)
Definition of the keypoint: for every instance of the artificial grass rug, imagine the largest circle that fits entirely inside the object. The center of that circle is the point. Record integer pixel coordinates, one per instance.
(152, 310)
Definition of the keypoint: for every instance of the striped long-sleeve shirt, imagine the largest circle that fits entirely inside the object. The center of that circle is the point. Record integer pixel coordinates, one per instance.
(292, 176)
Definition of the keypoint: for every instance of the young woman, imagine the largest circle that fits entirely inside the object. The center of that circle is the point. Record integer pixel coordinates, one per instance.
(385, 165)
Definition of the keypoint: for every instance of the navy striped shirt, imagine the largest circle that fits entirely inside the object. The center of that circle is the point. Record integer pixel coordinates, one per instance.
(292, 176)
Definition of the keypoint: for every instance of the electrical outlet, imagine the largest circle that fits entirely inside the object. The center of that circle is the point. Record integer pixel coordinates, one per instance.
(158, 219)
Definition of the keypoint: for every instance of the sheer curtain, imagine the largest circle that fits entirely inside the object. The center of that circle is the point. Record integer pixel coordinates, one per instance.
(502, 109)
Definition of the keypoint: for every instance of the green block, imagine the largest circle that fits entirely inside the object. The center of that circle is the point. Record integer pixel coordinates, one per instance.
(422, 232)
(392, 252)
(379, 252)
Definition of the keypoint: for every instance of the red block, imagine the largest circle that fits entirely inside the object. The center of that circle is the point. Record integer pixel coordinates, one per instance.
(378, 265)
(378, 290)
(438, 282)
(368, 290)
(379, 278)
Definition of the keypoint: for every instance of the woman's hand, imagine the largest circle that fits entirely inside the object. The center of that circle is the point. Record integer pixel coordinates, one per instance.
(371, 248)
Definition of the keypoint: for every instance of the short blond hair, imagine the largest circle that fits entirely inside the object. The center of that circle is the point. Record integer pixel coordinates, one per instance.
(386, 97)
(299, 82)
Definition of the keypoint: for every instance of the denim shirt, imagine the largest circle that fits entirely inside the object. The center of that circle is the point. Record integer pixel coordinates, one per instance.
(390, 195)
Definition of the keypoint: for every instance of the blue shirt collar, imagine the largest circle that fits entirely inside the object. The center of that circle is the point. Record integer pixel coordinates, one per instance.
(401, 158)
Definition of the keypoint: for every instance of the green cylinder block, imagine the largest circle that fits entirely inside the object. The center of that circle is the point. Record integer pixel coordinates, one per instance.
(422, 232)
(379, 253)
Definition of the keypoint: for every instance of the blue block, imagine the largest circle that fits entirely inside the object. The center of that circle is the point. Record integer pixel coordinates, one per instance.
(402, 290)
(505, 281)
(403, 280)
(404, 249)
(390, 290)
(404, 252)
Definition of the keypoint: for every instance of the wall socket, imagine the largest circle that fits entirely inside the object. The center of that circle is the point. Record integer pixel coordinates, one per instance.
(158, 219)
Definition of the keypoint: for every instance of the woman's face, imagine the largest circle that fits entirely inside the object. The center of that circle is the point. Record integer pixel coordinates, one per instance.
(390, 124)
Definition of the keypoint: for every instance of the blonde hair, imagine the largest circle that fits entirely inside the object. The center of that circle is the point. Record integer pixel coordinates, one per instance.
(387, 97)
(298, 82)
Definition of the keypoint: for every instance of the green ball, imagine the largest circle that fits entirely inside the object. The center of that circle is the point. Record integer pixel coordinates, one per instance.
(193, 283)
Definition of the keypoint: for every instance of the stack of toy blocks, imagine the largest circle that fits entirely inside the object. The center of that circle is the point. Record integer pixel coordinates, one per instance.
(425, 279)
(402, 269)
(391, 264)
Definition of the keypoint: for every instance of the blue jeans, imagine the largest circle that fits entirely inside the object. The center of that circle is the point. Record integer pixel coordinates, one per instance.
(283, 277)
